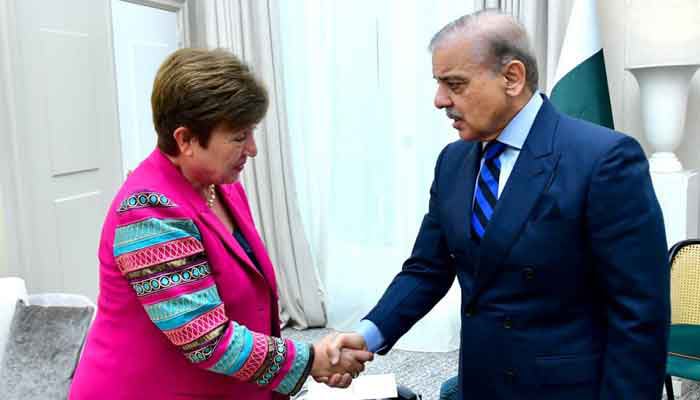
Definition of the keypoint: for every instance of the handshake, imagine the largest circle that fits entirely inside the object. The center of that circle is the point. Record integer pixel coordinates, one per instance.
(339, 358)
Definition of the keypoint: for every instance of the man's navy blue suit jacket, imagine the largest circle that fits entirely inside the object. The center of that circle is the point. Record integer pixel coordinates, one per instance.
(566, 297)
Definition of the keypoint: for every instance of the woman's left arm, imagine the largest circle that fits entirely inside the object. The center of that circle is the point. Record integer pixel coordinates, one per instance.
(159, 251)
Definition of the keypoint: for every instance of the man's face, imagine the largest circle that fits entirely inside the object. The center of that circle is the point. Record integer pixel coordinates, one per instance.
(471, 93)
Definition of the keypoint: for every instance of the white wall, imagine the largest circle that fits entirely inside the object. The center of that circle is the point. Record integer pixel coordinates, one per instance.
(636, 32)
(3, 251)
(6, 127)
(643, 32)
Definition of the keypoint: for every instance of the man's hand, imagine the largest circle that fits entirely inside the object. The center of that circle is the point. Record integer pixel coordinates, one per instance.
(349, 340)
(338, 359)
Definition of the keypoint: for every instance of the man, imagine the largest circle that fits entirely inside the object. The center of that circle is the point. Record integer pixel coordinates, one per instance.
(551, 226)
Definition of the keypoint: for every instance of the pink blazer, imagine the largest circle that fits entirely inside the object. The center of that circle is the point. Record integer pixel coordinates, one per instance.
(183, 313)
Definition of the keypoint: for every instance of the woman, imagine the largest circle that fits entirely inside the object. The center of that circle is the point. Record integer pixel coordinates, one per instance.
(188, 299)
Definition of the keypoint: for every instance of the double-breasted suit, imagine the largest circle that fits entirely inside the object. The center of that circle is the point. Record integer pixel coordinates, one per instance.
(566, 296)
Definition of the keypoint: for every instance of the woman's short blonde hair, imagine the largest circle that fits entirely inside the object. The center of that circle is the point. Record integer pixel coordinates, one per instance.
(200, 89)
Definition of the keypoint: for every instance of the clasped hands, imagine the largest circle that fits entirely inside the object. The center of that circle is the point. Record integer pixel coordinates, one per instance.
(338, 358)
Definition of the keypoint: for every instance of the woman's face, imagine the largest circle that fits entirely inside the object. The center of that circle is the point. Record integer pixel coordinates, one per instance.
(223, 159)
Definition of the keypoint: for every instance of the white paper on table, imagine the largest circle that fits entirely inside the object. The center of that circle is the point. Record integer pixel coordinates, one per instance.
(364, 387)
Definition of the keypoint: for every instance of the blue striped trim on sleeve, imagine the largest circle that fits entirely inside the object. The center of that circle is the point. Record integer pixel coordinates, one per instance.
(245, 353)
(233, 349)
(185, 318)
(183, 304)
(150, 232)
(301, 359)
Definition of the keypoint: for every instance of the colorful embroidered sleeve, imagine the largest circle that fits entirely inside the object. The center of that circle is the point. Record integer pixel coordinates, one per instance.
(164, 261)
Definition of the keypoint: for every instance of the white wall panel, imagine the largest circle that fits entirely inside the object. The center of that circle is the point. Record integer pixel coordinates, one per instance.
(69, 100)
(77, 240)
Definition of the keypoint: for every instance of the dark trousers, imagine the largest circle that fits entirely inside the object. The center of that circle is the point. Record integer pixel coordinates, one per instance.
(450, 389)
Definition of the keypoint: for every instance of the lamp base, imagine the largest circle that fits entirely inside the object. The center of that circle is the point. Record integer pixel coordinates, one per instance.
(664, 162)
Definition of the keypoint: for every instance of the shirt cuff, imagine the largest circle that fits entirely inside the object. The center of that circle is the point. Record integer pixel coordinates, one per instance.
(373, 337)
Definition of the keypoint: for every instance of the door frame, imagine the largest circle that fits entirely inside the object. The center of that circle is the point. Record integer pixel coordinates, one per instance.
(181, 10)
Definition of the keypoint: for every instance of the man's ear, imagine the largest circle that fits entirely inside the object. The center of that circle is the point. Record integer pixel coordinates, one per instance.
(184, 139)
(514, 74)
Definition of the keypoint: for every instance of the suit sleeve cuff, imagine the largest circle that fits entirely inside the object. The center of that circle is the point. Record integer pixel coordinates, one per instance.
(372, 335)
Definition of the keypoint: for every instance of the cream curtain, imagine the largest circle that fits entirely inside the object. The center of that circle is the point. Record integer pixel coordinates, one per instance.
(365, 137)
(249, 28)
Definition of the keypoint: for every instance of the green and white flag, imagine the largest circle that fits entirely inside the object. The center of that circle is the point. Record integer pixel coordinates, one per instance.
(580, 84)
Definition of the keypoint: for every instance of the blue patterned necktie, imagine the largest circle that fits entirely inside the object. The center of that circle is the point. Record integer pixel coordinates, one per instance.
(487, 188)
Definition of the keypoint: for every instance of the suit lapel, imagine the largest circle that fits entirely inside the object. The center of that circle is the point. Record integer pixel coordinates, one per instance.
(461, 202)
(235, 205)
(532, 173)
